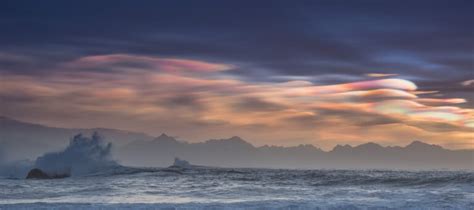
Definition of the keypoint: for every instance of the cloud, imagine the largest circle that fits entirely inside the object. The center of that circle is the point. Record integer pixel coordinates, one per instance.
(468, 83)
(206, 103)
(357, 117)
(441, 100)
(136, 62)
(251, 104)
(380, 75)
(399, 84)
(182, 101)
(158, 71)
(373, 95)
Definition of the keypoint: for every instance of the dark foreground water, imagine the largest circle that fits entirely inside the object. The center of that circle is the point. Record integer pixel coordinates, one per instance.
(208, 188)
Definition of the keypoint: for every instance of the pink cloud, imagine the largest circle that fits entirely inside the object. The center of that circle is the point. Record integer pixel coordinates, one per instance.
(441, 100)
(148, 88)
(148, 63)
(380, 75)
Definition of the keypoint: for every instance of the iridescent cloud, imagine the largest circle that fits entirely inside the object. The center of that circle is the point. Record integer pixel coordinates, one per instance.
(193, 99)
(380, 75)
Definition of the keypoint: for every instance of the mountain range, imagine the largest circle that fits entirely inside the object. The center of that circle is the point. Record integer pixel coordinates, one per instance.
(235, 152)
(22, 140)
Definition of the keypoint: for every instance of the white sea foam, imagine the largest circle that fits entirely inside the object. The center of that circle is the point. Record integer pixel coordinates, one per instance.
(84, 155)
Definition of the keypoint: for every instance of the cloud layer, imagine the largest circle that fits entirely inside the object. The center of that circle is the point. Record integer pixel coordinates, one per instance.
(282, 73)
(193, 98)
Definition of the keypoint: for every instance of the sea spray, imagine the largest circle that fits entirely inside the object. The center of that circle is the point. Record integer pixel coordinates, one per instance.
(15, 169)
(83, 156)
(12, 169)
(2, 154)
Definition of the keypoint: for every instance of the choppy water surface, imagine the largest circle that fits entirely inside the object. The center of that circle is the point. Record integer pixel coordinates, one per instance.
(245, 188)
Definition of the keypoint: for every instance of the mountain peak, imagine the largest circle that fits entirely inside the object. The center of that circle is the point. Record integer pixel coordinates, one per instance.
(234, 141)
(341, 148)
(419, 145)
(239, 140)
(163, 138)
(235, 138)
(370, 145)
(163, 135)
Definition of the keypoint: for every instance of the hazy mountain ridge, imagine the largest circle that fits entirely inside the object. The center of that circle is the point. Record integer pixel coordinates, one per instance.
(26, 140)
(236, 152)
(29, 140)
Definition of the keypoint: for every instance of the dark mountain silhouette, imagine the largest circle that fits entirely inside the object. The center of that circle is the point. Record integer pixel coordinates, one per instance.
(20, 140)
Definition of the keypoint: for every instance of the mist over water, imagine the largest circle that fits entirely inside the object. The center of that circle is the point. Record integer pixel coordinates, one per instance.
(2, 154)
(16, 169)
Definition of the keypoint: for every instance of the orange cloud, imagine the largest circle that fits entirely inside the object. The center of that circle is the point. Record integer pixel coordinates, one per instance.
(441, 100)
(193, 105)
(380, 75)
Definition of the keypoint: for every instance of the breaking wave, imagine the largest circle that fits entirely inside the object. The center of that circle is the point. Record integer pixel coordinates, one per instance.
(84, 155)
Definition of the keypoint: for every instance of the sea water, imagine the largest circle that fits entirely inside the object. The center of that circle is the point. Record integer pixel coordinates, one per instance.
(220, 188)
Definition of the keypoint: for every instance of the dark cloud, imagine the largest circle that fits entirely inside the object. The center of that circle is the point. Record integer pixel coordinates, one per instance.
(305, 121)
(425, 41)
(369, 119)
(183, 101)
(251, 104)
(265, 33)
(359, 118)
(451, 88)
(439, 126)
(323, 117)
(17, 98)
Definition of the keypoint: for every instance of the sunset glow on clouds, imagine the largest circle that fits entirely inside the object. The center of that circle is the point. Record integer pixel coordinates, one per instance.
(194, 99)
(291, 73)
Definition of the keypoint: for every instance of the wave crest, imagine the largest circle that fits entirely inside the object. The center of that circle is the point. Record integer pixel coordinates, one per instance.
(83, 155)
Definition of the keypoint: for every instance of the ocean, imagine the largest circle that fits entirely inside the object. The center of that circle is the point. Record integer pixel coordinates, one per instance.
(224, 188)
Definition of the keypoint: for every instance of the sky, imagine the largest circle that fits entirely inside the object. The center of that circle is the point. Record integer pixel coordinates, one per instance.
(272, 72)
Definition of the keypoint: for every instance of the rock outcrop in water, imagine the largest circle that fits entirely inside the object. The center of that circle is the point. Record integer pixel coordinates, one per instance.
(178, 163)
(39, 174)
